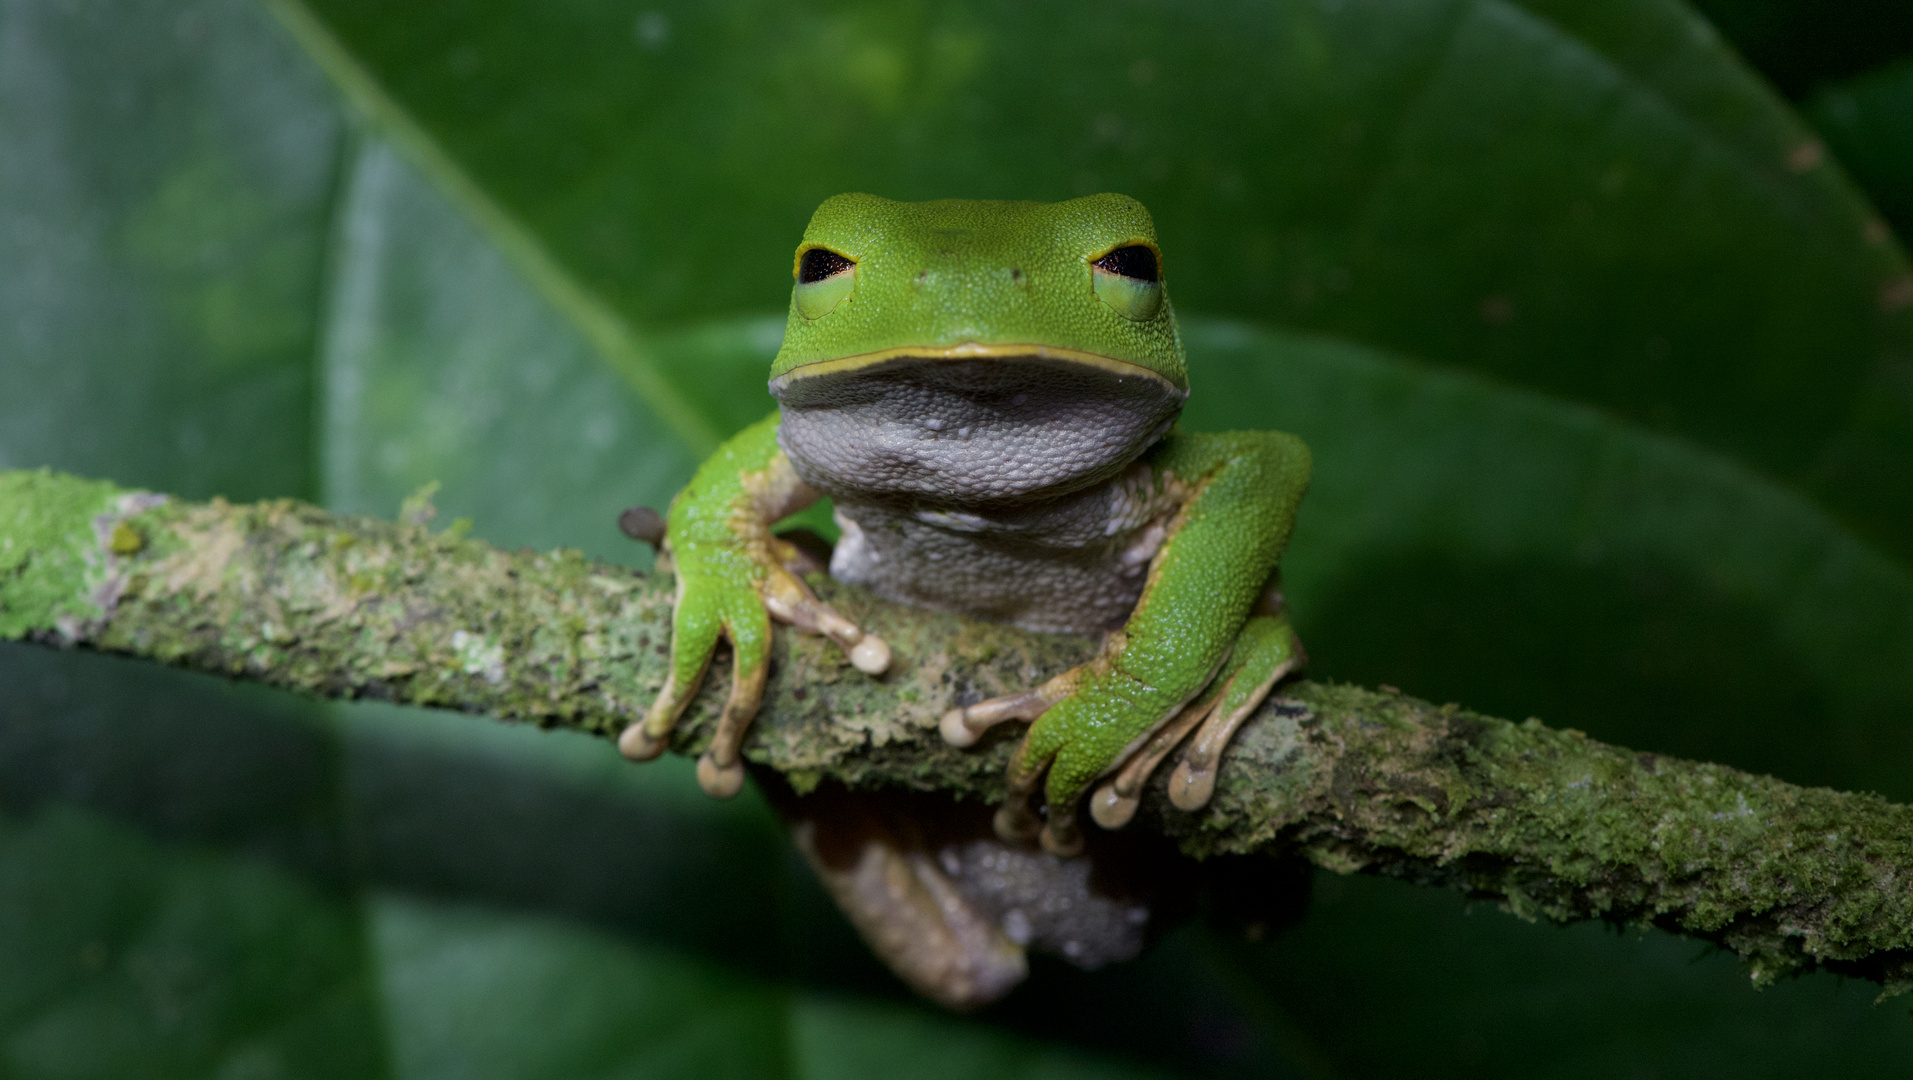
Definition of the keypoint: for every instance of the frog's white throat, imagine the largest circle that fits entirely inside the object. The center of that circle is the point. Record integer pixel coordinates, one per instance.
(970, 430)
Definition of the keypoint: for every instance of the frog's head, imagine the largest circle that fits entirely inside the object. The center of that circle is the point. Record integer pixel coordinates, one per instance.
(977, 349)
(1079, 280)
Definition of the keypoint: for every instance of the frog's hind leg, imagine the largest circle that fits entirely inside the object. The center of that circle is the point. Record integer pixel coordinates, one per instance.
(1265, 651)
(886, 860)
(1116, 800)
(1040, 758)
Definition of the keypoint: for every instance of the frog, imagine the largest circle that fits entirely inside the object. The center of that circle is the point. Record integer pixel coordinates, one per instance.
(988, 393)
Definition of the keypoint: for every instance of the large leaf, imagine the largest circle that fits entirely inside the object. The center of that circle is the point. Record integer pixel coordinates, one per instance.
(173, 888)
(440, 365)
(1690, 605)
(163, 211)
(557, 235)
(1590, 198)
(165, 194)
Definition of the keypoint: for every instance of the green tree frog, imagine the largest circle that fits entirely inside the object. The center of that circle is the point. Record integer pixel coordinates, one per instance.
(988, 392)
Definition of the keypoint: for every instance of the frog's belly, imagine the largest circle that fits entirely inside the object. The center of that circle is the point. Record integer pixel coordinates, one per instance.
(1073, 575)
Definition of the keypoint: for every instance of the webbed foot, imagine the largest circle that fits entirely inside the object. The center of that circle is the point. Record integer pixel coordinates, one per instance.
(1265, 651)
(1089, 699)
(713, 604)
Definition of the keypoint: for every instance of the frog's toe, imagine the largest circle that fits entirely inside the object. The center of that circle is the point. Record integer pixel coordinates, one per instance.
(1194, 780)
(1116, 799)
(1015, 822)
(719, 781)
(638, 744)
(963, 726)
(1056, 829)
(789, 600)
(955, 729)
(871, 655)
(1061, 836)
(645, 739)
(720, 770)
(1190, 786)
(696, 627)
(1268, 651)
(1111, 808)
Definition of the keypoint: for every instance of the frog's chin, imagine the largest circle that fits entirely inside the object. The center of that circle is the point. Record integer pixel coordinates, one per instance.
(970, 424)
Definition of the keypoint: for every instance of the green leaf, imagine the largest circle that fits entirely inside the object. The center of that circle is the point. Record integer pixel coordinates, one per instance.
(169, 849)
(1472, 542)
(127, 958)
(1404, 980)
(174, 896)
(834, 1038)
(483, 995)
(440, 365)
(162, 221)
(1593, 199)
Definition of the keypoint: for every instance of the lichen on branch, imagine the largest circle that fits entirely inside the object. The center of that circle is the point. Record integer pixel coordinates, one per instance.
(1550, 823)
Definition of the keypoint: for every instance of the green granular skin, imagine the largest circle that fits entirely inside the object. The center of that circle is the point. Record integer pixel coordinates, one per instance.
(1550, 823)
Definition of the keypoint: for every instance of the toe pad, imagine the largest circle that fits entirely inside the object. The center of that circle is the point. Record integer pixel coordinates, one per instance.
(638, 745)
(719, 781)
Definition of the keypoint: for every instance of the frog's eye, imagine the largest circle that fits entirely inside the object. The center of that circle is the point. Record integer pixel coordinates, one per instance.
(824, 278)
(1131, 261)
(820, 263)
(1129, 280)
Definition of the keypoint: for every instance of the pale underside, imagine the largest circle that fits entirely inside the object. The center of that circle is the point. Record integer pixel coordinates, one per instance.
(1007, 488)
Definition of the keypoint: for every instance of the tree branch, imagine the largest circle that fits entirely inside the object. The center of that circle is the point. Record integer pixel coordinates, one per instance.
(1550, 823)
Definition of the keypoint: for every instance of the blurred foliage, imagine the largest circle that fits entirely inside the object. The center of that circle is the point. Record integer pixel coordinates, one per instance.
(1868, 121)
(1607, 365)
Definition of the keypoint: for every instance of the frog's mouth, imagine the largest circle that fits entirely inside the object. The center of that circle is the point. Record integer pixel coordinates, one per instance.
(970, 423)
(968, 350)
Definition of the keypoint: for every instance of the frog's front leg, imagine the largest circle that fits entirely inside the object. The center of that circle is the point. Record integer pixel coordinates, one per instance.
(733, 577)
(1122, 712)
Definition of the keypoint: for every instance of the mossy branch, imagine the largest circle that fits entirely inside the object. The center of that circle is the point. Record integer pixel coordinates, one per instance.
(1548, 822)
